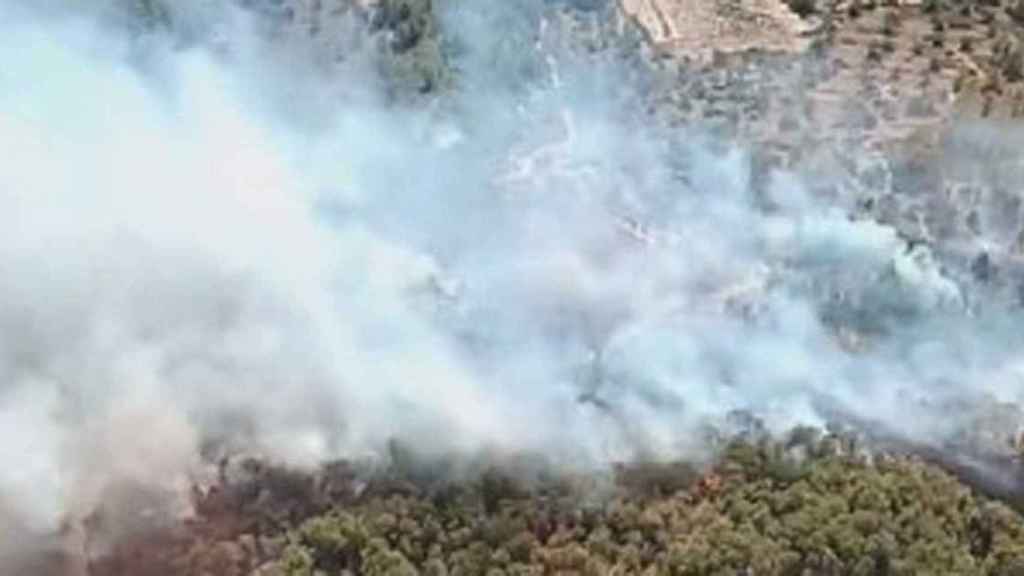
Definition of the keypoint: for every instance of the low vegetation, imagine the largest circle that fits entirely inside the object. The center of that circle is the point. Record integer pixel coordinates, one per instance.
(808, 506)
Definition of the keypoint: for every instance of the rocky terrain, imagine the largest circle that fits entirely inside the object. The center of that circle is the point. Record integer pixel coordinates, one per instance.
(882, 95)
(695, 30)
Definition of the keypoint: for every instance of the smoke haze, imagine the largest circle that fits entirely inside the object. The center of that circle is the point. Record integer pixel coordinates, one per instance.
(210, 242)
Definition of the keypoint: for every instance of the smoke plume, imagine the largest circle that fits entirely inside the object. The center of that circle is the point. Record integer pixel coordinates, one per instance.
(211, 240)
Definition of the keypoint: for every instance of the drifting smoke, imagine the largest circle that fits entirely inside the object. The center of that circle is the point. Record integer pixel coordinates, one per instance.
(206, 244)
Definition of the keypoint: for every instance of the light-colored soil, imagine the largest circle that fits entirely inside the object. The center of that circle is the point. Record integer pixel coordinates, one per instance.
(869, 95)
(697, 28)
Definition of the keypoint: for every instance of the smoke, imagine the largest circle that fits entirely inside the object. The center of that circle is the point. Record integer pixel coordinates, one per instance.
(209, 241)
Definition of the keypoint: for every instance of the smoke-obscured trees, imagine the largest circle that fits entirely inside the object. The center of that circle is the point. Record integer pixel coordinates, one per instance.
(808, 506)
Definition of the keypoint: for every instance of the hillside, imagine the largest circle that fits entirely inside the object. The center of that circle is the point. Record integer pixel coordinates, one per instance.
(523, 165)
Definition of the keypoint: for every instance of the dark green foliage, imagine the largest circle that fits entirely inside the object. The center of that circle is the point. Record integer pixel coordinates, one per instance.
(412, 59)
(409, 22)
(808, 505)
(802, 8)
(405, 36)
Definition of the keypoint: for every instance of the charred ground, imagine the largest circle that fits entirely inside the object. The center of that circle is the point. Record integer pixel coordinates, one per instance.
(812, 503)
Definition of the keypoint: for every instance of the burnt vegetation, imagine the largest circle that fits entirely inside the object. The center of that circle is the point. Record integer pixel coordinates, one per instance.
(812, 503)
(806, 506)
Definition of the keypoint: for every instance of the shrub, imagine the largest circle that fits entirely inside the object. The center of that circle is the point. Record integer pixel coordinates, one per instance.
(828, 512)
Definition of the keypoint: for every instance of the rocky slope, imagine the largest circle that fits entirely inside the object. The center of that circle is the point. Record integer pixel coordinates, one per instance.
(696, 29)
(890, 103)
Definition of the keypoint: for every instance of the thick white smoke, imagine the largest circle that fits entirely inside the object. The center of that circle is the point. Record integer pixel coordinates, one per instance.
(203, 244)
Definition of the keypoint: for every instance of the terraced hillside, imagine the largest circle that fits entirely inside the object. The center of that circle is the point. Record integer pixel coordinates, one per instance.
(889, 103)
